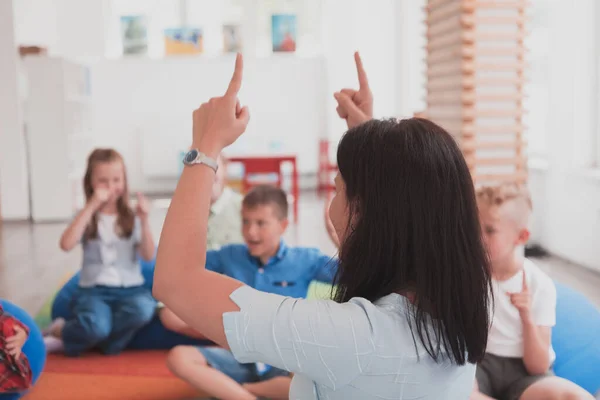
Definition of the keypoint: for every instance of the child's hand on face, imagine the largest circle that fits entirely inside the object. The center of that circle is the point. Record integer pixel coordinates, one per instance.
(143, 206)
(522, 300)
(101, 196)
(14, 344)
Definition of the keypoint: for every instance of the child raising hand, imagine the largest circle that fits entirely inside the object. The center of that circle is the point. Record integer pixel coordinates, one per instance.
(519, 355)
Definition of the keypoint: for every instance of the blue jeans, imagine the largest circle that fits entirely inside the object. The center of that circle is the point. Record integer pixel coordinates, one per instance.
(106, 317)
(223, 360)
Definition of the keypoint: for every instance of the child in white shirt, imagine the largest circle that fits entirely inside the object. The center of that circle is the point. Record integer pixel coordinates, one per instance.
(519, 355)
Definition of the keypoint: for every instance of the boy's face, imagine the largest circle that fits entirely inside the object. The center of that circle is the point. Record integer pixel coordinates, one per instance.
(262, 230)
(501, 233)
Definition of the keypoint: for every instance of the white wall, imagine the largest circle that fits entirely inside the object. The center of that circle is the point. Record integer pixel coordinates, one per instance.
(80, 28)
(144, 110)
(567, 194)
(120, 91)
(125, 114)
(410, 64)
(69, 28)
(36, 23)
(390, 39)
(14, 189)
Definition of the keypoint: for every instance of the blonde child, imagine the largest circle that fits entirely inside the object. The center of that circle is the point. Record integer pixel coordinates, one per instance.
(111, 303)
(519, 354)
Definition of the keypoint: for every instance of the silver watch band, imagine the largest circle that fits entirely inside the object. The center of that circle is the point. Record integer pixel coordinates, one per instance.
(200, 158)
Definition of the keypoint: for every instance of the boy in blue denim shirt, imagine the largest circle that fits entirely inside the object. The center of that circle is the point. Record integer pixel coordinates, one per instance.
(266, 263)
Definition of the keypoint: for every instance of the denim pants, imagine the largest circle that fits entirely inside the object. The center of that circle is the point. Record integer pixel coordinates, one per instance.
(107, 318)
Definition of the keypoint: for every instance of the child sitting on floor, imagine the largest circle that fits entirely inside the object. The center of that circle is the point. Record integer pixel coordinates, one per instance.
(266, 263)
(111, 304)
(15, 372)
(519, 356)
(224, 223)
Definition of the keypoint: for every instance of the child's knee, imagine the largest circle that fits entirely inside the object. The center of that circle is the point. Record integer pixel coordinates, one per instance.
(181, 359)
(146, 313)
(139, 310)
(96, 328)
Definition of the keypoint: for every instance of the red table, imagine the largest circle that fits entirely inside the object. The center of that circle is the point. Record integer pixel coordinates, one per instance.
(267, 165)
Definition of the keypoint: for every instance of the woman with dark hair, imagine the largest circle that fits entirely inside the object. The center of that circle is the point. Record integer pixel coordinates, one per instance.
(409, 317)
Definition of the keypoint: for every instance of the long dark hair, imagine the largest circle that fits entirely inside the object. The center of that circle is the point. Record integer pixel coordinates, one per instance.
(126, 216)
(414, 227)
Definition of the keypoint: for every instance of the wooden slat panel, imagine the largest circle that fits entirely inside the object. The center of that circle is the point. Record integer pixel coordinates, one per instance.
(470, 66)
(466, 99)
(473, 145)
(445, 69)
(471, 82)
(473, 97)
(517, 177)
(445, 97)
(469, 113)
(472, 129)
(493, 4)
(455, 118)
(444, 54)
(433, 4)
(461, 81)
(447, 40)
(451, 24)
(451, 124)
(496, 161)
(470, 20)
(478, 36)
(472, 51)
(444, 83)
(442, 13)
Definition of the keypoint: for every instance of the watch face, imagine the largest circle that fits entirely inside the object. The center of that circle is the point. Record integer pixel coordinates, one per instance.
(190, 156)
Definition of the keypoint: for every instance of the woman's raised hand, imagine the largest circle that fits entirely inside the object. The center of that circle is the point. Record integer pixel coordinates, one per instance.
(220, 121)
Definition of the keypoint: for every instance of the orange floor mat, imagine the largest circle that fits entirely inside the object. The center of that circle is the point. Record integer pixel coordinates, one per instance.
(69, 386)
(132, 375)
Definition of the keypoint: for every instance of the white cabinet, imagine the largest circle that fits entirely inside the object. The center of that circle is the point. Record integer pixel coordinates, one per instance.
(58, 122)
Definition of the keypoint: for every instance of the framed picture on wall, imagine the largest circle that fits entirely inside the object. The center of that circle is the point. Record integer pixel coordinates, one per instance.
(284, 32)
(232, 38)
(184, 41)
(134, 33)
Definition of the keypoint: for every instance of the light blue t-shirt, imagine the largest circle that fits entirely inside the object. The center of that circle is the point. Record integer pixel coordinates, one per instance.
(354, 350)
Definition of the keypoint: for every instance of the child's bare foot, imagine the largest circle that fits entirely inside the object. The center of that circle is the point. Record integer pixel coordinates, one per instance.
(53, 344)
(55, 328)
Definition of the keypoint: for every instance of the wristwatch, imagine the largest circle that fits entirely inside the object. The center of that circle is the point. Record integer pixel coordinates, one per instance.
(195, 156)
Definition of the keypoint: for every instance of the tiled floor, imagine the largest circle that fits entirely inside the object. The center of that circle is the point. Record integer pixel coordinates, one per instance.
(32, 265)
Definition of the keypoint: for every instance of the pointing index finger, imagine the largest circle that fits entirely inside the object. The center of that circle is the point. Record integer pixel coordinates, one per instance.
(236, 80)
(363, 82)
(524, 281)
